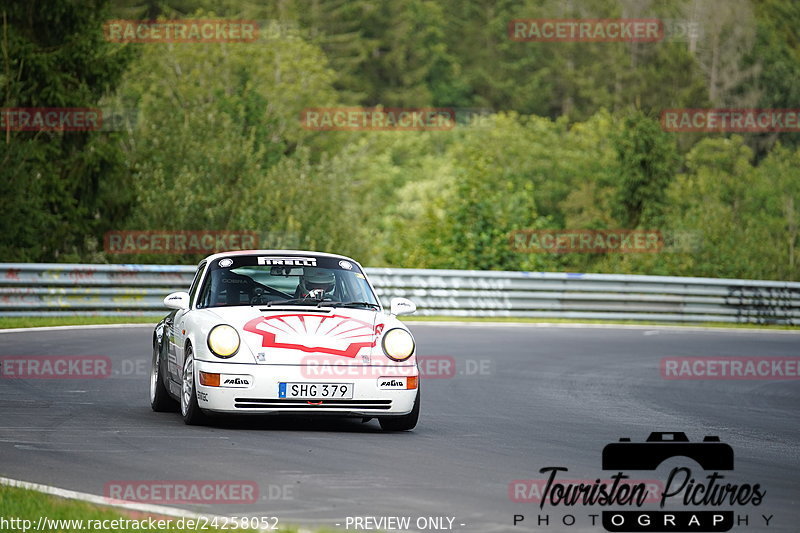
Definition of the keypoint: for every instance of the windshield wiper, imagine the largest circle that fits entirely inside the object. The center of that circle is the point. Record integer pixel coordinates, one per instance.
(351, 304)
(322, 303)
(293, 301)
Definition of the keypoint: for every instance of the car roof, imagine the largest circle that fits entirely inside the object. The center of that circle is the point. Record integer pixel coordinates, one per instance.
(234, 253)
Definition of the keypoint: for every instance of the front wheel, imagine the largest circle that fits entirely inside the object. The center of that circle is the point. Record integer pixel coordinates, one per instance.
(402, 423)
(160, 400)
(192, 415)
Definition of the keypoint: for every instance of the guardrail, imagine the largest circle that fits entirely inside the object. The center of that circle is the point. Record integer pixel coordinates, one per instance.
(28, 289)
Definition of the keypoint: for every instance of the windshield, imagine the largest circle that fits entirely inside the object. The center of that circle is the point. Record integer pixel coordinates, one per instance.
(285, 280)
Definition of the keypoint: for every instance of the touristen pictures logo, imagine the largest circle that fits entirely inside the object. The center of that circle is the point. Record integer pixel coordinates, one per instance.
(708, 500)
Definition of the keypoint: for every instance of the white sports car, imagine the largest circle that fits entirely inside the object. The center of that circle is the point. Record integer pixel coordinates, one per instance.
(285, 332)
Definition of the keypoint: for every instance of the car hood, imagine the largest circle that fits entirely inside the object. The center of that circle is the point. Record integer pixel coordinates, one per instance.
(308, 335)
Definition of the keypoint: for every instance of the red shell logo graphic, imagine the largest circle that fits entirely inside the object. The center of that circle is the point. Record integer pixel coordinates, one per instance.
(333, 334)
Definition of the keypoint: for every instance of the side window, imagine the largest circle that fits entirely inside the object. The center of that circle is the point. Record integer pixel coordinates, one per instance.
(204, 299)
(195, 282)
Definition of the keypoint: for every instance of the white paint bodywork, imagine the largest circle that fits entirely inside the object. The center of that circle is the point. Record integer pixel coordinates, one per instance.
(306, 344)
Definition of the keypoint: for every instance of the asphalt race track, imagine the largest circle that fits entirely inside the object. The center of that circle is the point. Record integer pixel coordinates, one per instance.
(521, 398)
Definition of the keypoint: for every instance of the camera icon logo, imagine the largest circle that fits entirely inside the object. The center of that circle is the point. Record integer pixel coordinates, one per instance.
(711, 454)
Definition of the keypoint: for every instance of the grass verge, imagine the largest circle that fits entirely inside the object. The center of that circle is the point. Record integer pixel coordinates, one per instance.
(47, 321)
(72, 516)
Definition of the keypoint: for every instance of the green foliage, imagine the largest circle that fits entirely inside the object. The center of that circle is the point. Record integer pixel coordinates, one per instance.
(648, 161)
(744, 213)
(776, 56)
(57, 189)
(569, 137)
(212, 121)
(493, 195)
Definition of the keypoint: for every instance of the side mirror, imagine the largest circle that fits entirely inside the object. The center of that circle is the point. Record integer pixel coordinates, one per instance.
(177, 300)
(402, 306)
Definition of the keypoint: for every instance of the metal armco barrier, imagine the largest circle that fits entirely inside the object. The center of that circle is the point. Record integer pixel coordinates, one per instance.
(70, 289)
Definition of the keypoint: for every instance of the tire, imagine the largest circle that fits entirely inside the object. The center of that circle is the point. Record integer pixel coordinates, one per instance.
(402, 423)
(190, 411)
(160, 400)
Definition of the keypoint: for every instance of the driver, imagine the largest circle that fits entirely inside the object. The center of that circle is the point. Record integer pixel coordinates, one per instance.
(314, 278)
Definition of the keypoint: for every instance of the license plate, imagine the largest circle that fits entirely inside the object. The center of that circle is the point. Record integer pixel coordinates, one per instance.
(315, 391)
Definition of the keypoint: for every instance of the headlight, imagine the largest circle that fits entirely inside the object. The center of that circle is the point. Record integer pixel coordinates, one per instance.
(398, 344)
(223, 341)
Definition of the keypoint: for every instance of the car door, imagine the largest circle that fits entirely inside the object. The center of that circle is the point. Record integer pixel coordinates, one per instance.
(178, 331)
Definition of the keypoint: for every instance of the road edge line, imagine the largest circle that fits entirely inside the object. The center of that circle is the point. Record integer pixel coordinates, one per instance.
(579, 325)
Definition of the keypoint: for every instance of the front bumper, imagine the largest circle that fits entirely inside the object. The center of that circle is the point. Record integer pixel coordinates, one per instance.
(260, 393)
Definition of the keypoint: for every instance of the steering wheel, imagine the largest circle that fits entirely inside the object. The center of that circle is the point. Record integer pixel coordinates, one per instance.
(261, 298)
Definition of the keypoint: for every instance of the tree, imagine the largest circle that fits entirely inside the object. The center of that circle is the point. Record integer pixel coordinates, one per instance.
(777, 204)
(715, 198)
(775, 55)
(212, 120)
(58, 188)
(648, 160)
(387, 53)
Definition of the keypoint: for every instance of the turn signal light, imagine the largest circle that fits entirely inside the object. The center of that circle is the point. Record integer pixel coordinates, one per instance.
(411, 382)
(209, 380)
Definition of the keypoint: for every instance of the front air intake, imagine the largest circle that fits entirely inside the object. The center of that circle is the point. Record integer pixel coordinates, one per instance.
(285, 403)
